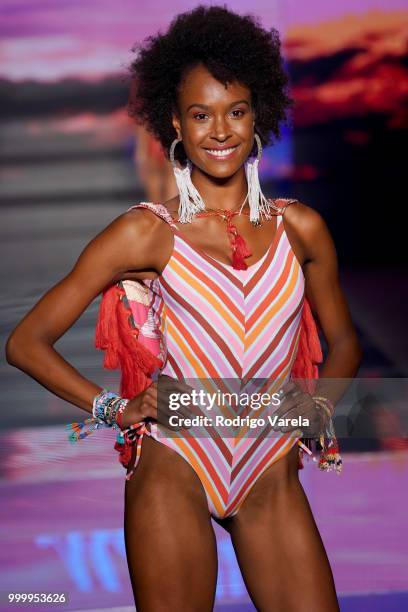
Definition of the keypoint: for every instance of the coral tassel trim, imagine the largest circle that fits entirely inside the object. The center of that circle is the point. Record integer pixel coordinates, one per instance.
(116, 336)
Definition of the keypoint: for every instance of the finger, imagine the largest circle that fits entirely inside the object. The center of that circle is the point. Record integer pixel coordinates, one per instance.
(174, 416)
(299, 417)
(169, 419)
(167, 414)
(151, 391)
(284, 407)
(175, 384)
(294, 410)
(171, 387)
(151, 406)
(314, 427)
(288, 428)
(179, 408)
(289, 388)
(301, 399)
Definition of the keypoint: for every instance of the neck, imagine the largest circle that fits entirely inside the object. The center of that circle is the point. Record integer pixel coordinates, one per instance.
(227, 193)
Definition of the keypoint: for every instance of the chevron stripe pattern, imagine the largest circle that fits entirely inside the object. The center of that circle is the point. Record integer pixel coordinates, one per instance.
(220, 325)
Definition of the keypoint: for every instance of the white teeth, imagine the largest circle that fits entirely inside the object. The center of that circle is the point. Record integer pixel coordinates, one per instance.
(221, 153)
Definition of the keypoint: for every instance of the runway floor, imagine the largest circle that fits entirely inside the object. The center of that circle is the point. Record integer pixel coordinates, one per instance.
(62, 525)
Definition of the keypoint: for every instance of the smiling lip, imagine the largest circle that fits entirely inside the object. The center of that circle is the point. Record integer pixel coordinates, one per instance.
(219, 155)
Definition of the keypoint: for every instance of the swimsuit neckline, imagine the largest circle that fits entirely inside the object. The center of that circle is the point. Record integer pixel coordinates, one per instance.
(229, 267)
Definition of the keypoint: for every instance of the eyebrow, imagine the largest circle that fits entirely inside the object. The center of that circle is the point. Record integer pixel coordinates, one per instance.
(205, 107)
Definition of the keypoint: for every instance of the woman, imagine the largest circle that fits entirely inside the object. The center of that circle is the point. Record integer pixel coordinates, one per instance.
(228, 271)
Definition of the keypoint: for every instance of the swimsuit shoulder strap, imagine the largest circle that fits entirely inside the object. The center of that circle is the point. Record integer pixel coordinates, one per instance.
(158, 209)
(283, 203)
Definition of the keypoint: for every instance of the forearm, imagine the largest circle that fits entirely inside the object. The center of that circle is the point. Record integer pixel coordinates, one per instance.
(43, 363)
(339, 368)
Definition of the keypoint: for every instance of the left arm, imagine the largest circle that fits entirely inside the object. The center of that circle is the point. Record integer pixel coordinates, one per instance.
(326, 297)
(317, 253)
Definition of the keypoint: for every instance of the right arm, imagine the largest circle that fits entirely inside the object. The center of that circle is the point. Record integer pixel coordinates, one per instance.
(127, 248)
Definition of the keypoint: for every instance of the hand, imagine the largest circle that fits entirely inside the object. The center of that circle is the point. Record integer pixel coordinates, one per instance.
(295, 404)
(153, 403)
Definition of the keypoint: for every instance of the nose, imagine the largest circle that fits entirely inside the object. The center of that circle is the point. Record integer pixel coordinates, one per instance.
(220, 131)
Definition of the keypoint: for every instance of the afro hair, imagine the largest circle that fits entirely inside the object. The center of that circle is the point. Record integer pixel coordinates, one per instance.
(232, 47)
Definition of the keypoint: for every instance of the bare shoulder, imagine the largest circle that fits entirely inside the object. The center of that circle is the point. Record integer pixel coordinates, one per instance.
(309, 229)
(303, 218)
(144, 223)
(129, 227)
(140, 236)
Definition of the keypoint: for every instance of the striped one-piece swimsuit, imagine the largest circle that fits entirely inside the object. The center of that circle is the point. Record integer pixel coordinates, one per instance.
(218, 322)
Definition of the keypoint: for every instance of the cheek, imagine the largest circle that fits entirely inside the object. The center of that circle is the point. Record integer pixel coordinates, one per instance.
(245, 128)
(189, 124)
(196, 132)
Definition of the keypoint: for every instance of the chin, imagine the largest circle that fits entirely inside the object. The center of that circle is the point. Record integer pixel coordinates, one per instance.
(227, 171)
(217, 171)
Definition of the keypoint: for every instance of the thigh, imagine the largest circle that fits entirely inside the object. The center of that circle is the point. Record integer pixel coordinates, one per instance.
(278, 546)
(170, 542)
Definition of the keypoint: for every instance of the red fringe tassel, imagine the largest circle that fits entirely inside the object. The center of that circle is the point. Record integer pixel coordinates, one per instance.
(116, 336)
(239, 251)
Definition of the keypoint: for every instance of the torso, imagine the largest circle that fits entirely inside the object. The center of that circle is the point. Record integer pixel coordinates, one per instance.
(223, 322)
(228, 330)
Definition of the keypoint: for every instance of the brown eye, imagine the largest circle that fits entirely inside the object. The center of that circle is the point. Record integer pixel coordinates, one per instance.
(198, 115)
(238, 110)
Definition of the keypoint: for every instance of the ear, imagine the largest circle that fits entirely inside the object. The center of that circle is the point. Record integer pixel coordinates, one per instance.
(176, 124)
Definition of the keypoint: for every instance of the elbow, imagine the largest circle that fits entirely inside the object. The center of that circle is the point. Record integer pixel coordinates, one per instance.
(12, 350)
(15, 349)
(23, 349)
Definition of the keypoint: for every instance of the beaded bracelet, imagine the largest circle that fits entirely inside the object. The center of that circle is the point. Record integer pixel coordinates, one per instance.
(107, 406)
(107, 411)
(324, 402)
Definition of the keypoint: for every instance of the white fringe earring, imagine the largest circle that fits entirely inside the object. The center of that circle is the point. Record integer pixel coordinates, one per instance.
(190, 200)
(259, 205)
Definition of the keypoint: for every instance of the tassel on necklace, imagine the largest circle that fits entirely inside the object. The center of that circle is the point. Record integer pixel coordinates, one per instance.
(239, 246)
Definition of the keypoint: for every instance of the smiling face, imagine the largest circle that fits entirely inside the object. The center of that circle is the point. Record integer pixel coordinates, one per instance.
(216, 123)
